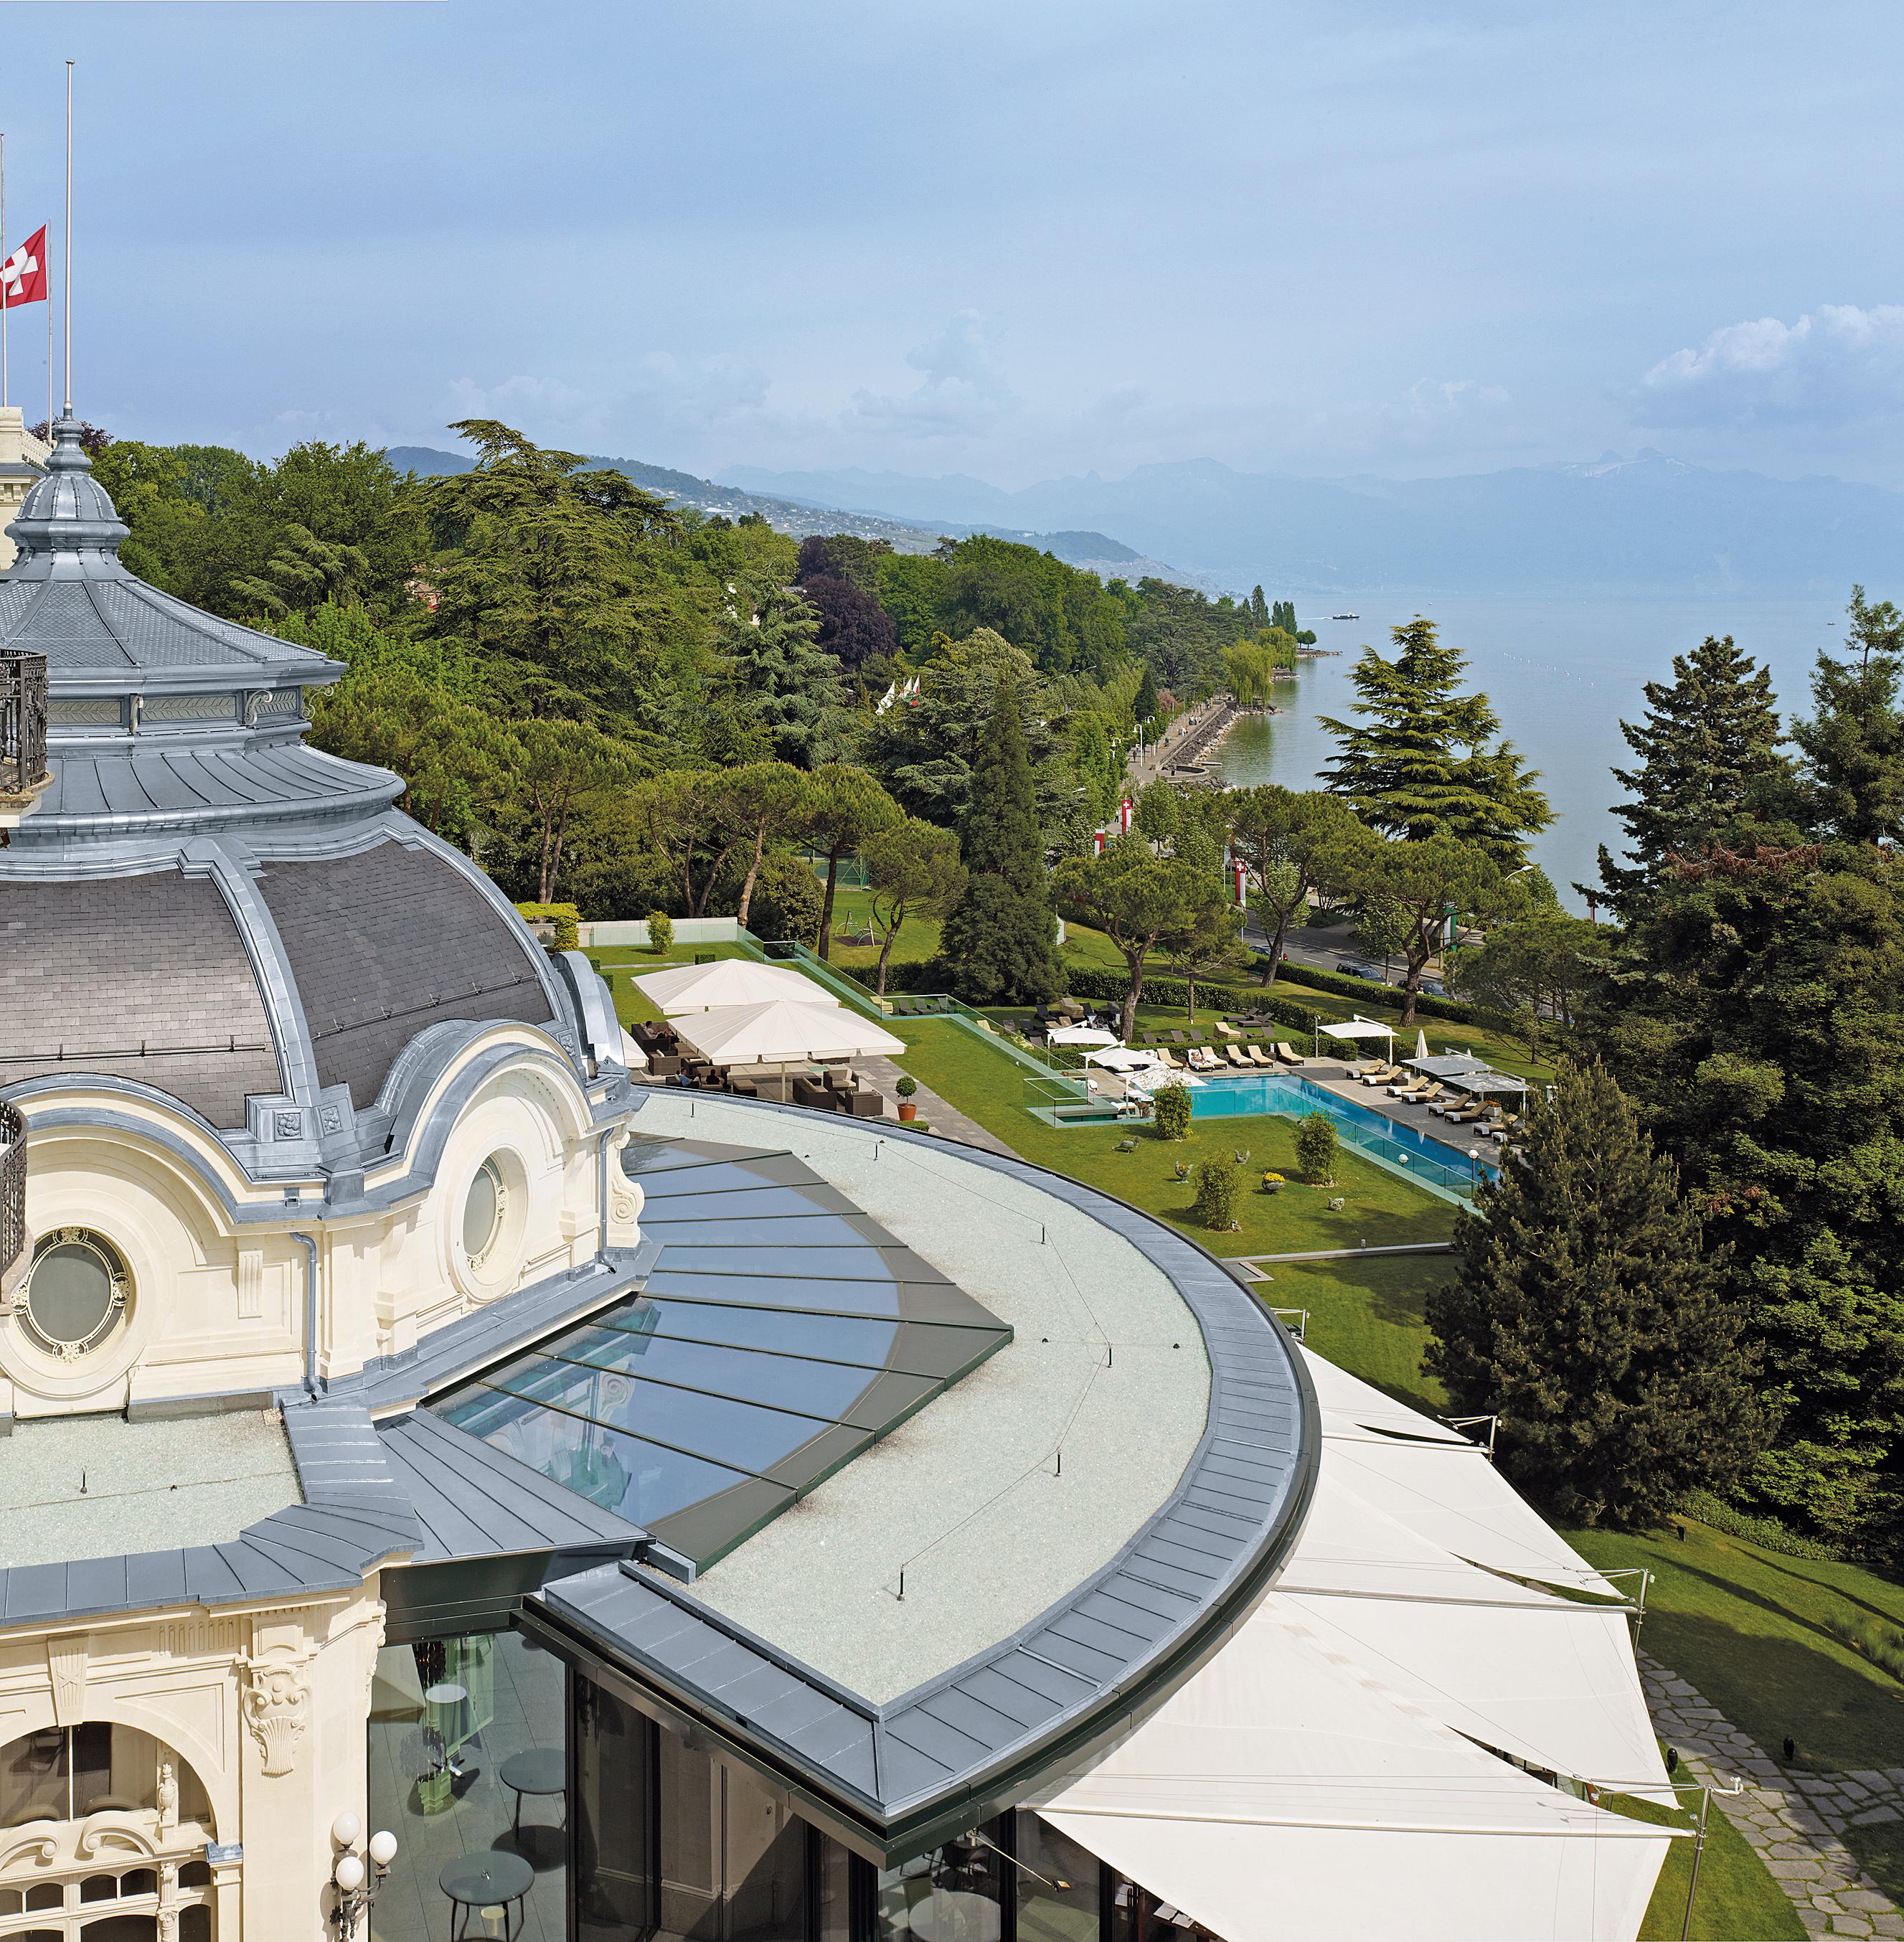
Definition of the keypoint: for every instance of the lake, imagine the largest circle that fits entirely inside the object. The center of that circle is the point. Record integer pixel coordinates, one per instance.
(1562, 675)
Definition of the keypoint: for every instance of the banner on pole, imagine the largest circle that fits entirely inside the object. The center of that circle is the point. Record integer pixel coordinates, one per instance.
(23, 277)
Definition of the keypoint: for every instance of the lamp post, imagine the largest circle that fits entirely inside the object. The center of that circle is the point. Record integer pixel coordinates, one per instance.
(1473, 1166)
(357, 1886)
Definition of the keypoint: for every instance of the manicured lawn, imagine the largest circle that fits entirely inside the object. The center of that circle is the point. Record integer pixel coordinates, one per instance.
(1365, 1316)
(1736, 1902)
(986, 1082)
(852, 910)
(1751, 1629)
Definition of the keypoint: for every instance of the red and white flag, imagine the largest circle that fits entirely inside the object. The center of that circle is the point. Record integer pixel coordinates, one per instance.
(23, 277)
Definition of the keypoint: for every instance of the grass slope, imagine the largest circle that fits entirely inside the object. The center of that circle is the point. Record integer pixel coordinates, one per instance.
(1737, 1900)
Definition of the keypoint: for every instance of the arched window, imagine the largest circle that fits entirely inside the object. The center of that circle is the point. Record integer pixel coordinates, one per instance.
(79, 1884)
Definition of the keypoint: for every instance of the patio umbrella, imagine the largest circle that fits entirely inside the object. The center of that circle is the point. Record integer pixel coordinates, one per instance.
(1420, 1044)
(1362, 1028)
(781, 1032)
(1123, 1058)
(1082, 1035)
(731, 981)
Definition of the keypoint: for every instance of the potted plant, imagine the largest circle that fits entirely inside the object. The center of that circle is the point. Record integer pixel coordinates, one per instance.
(906, 1086)
(1272, 1182)
(426, 1761)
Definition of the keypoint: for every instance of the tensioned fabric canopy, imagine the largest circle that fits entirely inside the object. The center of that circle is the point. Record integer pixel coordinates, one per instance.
(1124, 1058)
(1083, 1035)
(1446, 1064)
(1480, 1079)
(1346, 1744)
(732, 980)
(781, 1032)
(1360, 1028)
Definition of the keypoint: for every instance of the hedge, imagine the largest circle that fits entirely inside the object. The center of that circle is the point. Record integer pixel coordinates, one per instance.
(1108, 987)
(1370, 993)
(566, 918)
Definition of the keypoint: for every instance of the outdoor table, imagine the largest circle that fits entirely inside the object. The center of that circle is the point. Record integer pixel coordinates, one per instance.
(484, 1880)
(537, 1770)
(956, 1915)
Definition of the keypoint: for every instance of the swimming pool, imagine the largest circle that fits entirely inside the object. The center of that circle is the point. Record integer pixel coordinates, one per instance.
(1234, 1095)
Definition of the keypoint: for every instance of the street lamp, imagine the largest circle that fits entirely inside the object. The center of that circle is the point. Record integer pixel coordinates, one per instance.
(1473, 1166)
(358, 1887)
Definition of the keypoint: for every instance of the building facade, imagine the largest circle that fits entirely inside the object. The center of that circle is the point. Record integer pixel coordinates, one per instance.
(668, 1514)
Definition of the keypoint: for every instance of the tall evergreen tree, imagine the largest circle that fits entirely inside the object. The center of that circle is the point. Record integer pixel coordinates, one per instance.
(785, 680)
(999, 942)
(1709, 767)
(1588, 1315)
(1853, 746)
(1258, 609)
(1425, 761)
(1145, 705)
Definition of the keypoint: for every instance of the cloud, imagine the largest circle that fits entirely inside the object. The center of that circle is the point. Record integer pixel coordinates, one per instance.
(1835, 365)
(661, 395)
(963, 389)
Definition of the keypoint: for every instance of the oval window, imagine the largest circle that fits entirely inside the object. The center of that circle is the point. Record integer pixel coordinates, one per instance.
(482, 1212)
(76, 1292)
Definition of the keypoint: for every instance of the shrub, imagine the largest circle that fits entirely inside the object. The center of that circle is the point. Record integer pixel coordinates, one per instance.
(661, 932)
(905, 1085)
(1105, 986)
(1366, 991)
(1316, 1147)
(787, 901)
(1217, 1194)
(1171, 1104)
(565, 919)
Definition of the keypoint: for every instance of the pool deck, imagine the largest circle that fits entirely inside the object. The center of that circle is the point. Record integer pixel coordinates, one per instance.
(1332, 1076)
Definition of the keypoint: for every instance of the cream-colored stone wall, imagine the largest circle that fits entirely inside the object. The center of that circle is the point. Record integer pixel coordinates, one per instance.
(217, 1304)
(17, 446)
(266, 1704)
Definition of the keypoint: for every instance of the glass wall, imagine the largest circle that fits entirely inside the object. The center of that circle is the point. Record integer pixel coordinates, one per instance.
(1058, 1884)
(957, 1893)
(468, 1756)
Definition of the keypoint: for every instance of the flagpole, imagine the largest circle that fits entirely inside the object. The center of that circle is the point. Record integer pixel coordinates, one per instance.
(68, 302)
(5, 304)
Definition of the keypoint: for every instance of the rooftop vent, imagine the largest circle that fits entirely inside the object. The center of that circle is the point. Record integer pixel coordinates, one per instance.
(22, 735)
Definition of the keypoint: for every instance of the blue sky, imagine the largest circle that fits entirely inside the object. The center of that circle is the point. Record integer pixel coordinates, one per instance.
(1012, 240)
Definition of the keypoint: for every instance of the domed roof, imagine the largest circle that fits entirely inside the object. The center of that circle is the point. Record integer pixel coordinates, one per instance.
(203, 906)
(70, 597)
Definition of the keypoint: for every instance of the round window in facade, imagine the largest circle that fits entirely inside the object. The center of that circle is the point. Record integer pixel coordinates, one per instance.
(483, 1208)
(76, 1293)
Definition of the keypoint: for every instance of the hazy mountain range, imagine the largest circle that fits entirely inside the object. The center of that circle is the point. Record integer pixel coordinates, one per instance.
(1649, 525)
(1094, 552)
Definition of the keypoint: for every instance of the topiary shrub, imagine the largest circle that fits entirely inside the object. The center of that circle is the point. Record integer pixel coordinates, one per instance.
(565, 921)
(661, 932)
(1315, 1148)
(1172, 1105)
(1217, 1194)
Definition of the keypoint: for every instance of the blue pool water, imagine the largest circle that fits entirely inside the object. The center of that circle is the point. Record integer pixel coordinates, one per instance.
(1234, 1095)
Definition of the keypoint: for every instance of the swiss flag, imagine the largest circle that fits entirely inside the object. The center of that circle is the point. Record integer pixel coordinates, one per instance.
(23, 277)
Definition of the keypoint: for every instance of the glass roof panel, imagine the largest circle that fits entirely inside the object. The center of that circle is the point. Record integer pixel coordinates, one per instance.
(767, 1349)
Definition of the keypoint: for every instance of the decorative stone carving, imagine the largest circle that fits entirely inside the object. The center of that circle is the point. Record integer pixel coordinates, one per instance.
(168, 1901)
(277, 1709)
(168, 1796)
(66, 1664)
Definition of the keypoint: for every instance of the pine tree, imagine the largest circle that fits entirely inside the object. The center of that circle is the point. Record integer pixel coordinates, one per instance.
(1259, 610)
(1588, 1315)
(1428, 762)
(999, 942)
(1708, 765)
(1145, 706)
(786, 680)
(1853, 747)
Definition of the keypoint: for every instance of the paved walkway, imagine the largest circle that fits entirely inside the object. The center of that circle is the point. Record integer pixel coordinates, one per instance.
(1792, 1819)
(940, 1115)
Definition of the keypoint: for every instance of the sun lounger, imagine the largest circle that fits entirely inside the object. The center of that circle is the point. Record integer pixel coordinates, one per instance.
(1259, 1057)
(1385, 1075)
(1288, 1054)
(1364, 1067)
(1204, 1060)
(1234, 1053)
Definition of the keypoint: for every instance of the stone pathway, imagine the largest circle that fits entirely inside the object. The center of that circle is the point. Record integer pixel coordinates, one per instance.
(939, 1114)
(1793, 1818)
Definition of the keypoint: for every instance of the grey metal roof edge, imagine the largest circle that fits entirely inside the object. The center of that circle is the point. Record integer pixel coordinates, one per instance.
(345, 1528)
(499, 1329)
(1217, 1302)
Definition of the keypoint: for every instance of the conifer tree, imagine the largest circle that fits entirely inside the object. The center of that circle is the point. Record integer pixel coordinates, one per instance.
(1853, 747)
(1589, 1317)
(1708, 765)
(786, 680)
(999, 942)
(1424, 762)
(1145, 706)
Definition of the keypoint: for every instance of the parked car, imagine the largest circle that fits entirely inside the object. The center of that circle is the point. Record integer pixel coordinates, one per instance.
(1348, 968)
(1433, 988)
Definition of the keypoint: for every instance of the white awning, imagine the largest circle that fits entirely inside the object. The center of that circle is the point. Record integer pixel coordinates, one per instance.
(1082, 1035)
(729, 981)
(782, 1032)
(1361, 1028)
(632, 1056)
(1479, 1078)
(1124, 1058)
(1284, 1794)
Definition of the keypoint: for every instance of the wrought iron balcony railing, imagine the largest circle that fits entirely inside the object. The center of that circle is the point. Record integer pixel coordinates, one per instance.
(13, 1196)
(22, 723)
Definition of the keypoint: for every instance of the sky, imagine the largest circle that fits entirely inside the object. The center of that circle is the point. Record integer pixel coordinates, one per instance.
(1014, 240)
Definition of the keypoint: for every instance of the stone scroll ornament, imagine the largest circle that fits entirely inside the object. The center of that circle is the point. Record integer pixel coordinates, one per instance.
(277, 1709)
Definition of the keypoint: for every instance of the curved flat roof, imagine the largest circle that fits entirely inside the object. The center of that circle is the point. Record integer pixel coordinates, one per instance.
(1044, 1603)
